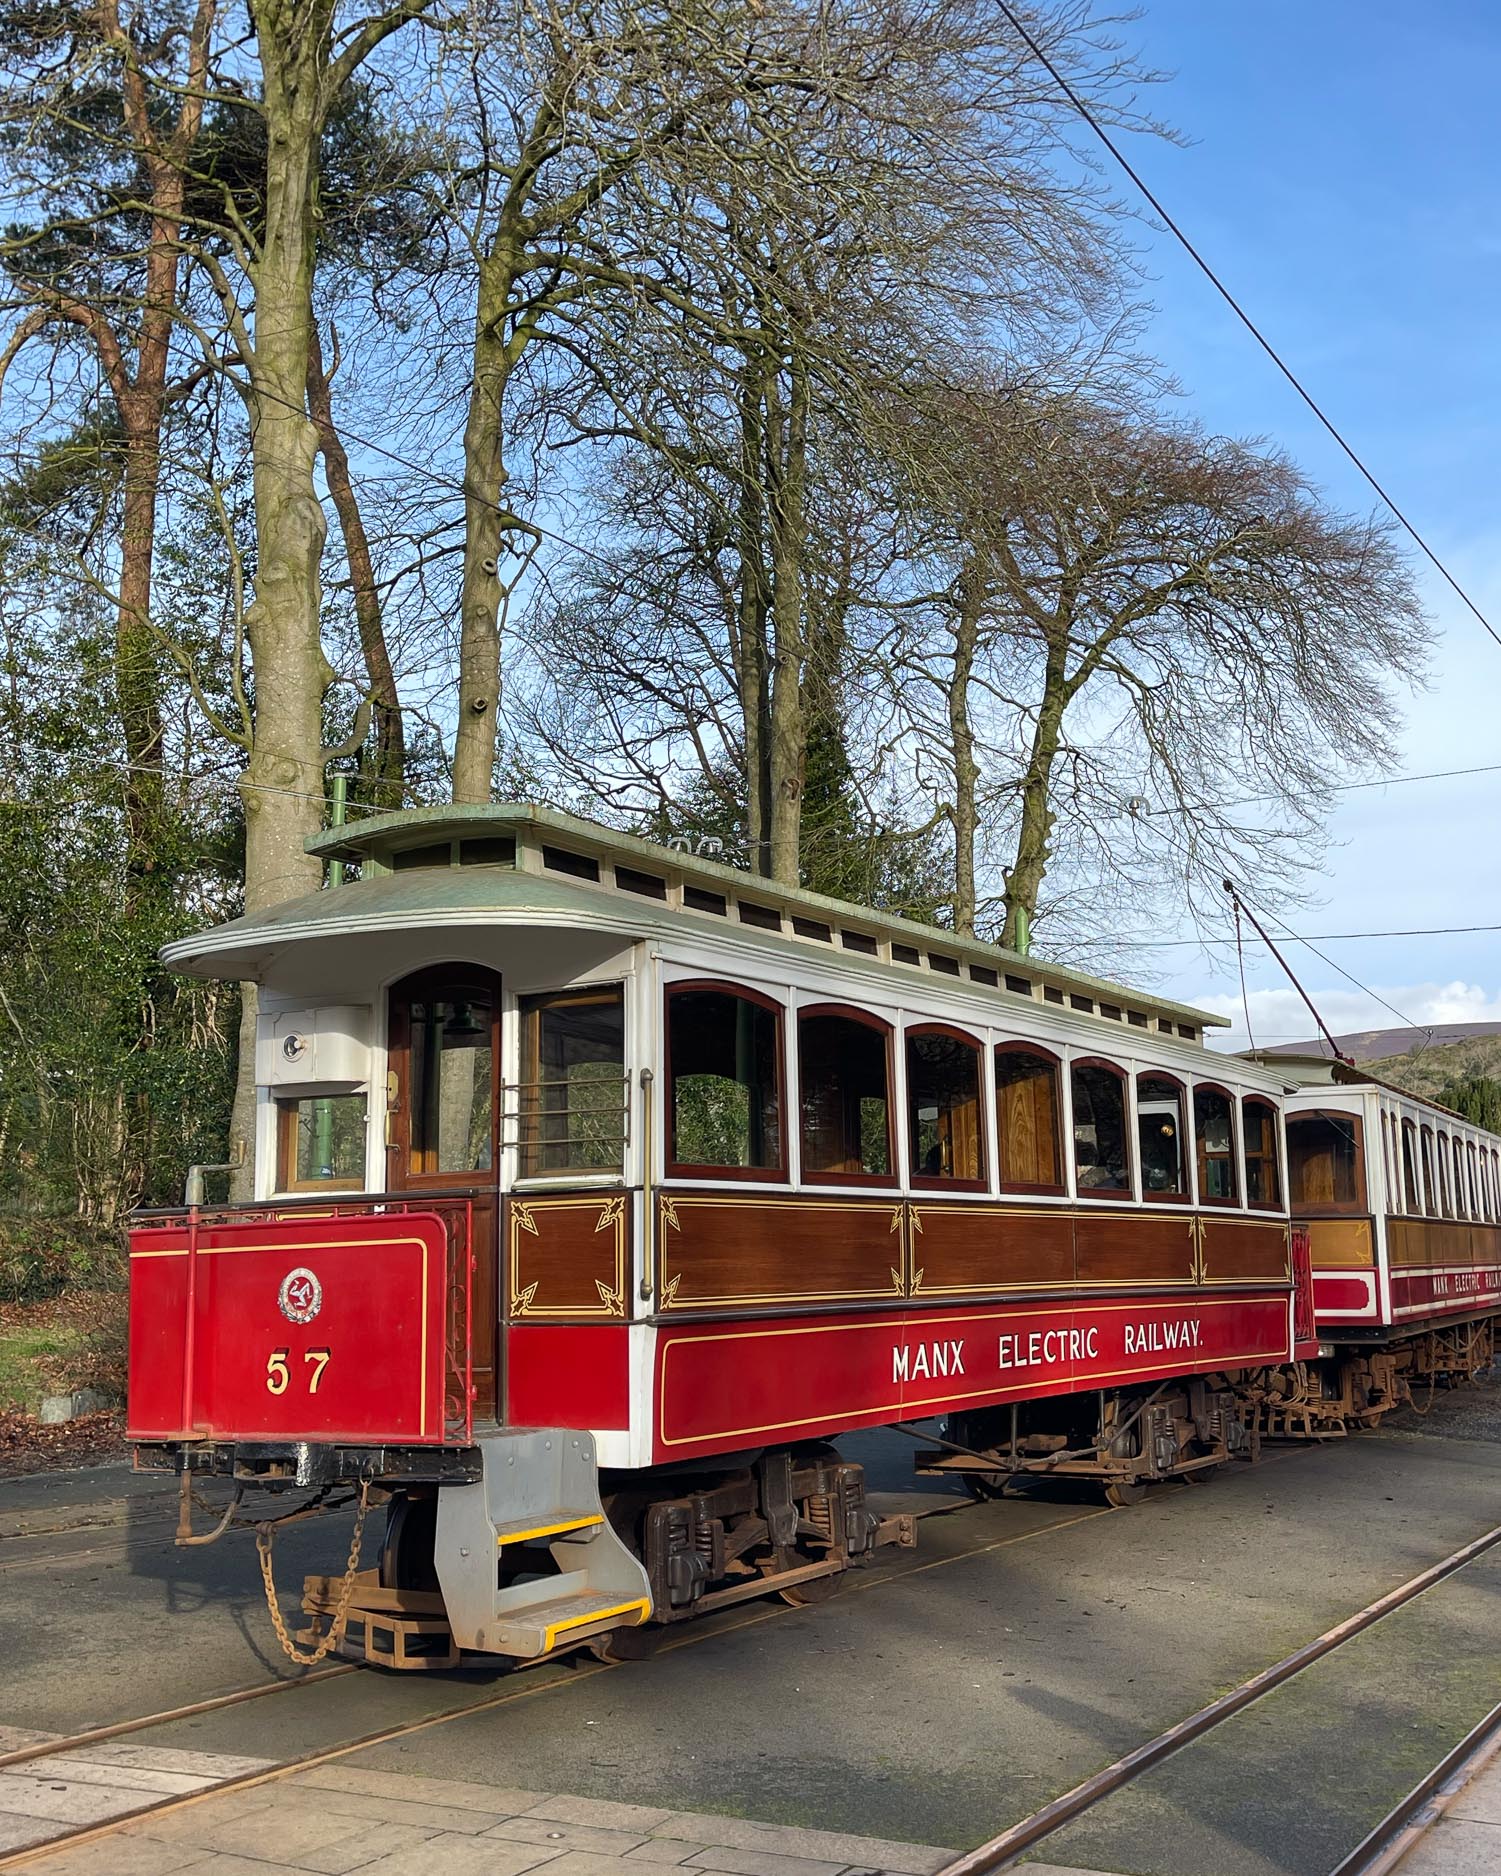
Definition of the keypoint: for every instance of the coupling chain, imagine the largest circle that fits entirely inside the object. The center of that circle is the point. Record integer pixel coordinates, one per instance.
(308, 1658)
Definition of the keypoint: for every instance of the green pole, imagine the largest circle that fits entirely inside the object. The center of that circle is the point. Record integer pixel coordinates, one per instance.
(1023, 931)
(337, 809)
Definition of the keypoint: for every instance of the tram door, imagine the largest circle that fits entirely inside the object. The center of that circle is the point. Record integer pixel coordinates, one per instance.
(444, 1120)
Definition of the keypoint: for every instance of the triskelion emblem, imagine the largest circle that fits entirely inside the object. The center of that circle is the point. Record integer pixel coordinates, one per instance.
(301, 1295)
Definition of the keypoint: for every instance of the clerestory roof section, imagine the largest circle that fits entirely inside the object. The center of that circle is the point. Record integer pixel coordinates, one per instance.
(459, 864)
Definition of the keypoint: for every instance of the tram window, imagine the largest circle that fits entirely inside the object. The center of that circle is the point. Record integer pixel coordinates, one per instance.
(571, 1101)
(1474, 1179)
(1430, 1182)
(1409, 1167)
(724, 1053)
(1027, 1114)
(1159, 1137)
(845, 1108)
(1386, 1159)
(1324, 1170)
(1461, 1203)
(1445, 1200)
(943, 1107)
(1259, 1127)
(1102, 1155)
(1214, 1131)
(320, 1143)
(452, 1093)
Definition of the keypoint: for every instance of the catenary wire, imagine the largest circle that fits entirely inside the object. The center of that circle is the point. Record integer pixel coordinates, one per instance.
(1239, 311)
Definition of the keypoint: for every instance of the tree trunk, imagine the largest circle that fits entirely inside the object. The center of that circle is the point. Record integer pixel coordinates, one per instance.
(788, 480)
(966, 815)
(387, 784)
(751, 662)
(485, 478)
(1029, 867)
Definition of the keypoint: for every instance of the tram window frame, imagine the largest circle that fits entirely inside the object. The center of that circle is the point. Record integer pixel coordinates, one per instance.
(942, 1182)
(1269, 1110)
(1117, 1195)
(675, 1168)
(1461, 1197)
(1445, 1173)
(288, 1128)
(1496, 1180)
(1472, 1159)
(1412, 1198)
(532, 1118)
(1057, 1186)
(1230, 1157)
(1431, 1197)
(831, 1176)
(1182, 1193)
(1357, 1205)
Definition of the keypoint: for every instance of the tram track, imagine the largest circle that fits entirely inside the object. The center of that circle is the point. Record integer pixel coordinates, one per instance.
(1408, 1823)
(1002, 1851)
(586, 1670)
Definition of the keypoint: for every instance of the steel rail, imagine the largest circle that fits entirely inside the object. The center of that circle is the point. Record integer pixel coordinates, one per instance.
(326, 1755)
(75, 1742)
(1001, 1851)
(1407, 1823)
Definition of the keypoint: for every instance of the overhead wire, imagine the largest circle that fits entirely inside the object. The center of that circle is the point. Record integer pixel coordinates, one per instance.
(1239, 311)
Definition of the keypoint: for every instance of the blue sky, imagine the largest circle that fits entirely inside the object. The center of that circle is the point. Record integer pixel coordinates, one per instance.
(1343, 176)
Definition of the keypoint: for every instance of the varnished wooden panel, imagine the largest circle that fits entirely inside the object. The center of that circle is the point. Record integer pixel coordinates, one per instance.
(1134, 1247)
(1242, 1250)
(1426, 1242)
(568, 1258)
(1341, 1243)
(970, 1248)
(730, 1250)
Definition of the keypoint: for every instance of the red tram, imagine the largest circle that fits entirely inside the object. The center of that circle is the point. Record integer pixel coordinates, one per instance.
(601, 1187)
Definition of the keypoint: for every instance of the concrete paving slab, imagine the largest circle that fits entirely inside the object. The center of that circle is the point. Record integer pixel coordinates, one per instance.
(146, 1779)
(762, 1863)
(462, 1793)
(123, 1856)
(205, 1823)
(460, 1856)
(1480, 1801)
(20, 1833)
(790, 1840)
(212, 1766)
(557, 1837)
(602, 1814)
(1455, 1847)
(366, 1847)
(74, 1802)
(663, 1850)
(459, 1819)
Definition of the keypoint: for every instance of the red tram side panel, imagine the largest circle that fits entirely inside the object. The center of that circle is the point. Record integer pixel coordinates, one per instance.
(274, 1328)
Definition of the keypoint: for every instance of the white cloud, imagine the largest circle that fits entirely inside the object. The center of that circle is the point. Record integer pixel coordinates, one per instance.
(1281, 1015)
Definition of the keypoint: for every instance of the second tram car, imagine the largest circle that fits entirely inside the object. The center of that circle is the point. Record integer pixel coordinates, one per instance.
(600, 1187)
(1401, 1201)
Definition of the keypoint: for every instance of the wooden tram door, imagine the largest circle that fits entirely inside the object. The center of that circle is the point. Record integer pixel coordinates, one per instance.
(443, 1129)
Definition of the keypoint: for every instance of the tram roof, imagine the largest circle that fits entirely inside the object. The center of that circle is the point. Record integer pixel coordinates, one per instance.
(456, 864)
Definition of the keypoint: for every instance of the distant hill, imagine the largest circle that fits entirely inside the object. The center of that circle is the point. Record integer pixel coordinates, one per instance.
(1421, 1061)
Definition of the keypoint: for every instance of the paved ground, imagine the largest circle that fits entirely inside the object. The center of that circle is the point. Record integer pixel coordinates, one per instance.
(1466, 1841)
(941, 1696)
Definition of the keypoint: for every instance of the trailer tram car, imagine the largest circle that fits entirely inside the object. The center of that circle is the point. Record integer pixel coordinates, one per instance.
(600, 1188)
(1401, 1201)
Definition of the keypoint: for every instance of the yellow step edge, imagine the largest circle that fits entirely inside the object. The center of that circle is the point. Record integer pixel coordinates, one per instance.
(640, 1609)
(551, 1530)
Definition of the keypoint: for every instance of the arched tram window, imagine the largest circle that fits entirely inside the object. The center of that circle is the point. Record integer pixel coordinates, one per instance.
(1159, 1137)
(1214, 1133)
(1259, 1129)
(1410, 1194)
(724, 1055)
(1102, 1148)
(844, 1068)
(1325, 1163)
(1028, 1116)
(945, 1121)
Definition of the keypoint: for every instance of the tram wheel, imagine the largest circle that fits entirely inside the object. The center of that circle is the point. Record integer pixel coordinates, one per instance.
(1125, 1492)
(627, 1644)
(407, 1554)
(816, 1589)
(983, 1486)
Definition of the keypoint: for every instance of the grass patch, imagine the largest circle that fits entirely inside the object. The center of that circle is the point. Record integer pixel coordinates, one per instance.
(69, 1342)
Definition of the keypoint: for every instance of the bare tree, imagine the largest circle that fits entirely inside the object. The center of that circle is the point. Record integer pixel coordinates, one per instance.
(1176, 645)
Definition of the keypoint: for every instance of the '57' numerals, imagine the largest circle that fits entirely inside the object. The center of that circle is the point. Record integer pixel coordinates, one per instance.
(278, 1375)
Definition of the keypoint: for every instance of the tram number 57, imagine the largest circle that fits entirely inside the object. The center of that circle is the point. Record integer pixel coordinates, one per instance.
(278, 1376)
